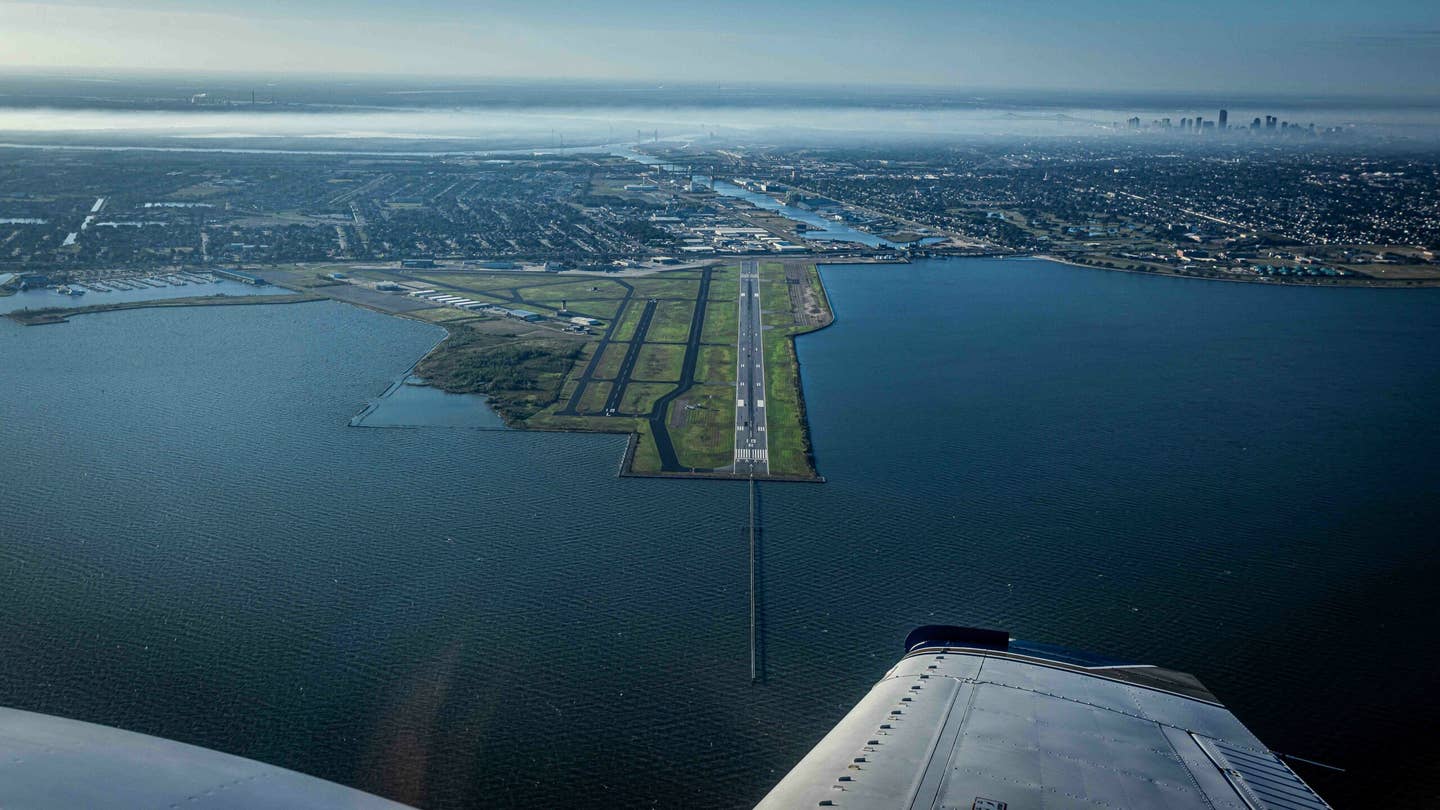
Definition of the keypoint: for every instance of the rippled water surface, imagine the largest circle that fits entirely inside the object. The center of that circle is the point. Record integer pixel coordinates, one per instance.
(409, 402)
(1235, 480)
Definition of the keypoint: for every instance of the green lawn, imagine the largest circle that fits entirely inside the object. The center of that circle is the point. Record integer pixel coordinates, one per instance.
(610, 363)
(593, 401)
(659, 362)
(707, 439)
(629, 319)
(476, 282)
(602, 308)
(659, 286)
(716, 365)
(580, 296)
(722, 323)
(647, 458)
(724, 289)
(640, 397)
(672, 321)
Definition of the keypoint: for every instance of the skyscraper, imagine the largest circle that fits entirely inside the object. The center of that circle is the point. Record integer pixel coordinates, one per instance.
(1224, 119)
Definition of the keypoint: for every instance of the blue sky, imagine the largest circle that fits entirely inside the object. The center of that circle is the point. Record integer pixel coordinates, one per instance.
(1390, 47)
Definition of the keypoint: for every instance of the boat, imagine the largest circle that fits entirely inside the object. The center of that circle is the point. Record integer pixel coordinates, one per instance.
(65, 289)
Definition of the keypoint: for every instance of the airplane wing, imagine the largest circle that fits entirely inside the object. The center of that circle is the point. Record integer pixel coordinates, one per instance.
(970, 720)
(50, 762)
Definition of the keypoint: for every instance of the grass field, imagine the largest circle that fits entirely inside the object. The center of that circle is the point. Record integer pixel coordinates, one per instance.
(706, 439)
(671, 323)
(717, 365)
(721, 331)
(629, 320)
(640, 397)
(593, 400)
(659, 362)
(610, 363)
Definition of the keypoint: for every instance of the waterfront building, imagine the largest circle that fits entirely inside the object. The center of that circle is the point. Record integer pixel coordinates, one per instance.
(244, 278)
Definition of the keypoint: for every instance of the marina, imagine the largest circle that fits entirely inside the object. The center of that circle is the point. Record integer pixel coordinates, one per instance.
(135, 282)
(130, 287)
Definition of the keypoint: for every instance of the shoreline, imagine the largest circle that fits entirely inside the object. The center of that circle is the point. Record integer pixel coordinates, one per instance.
(626, 469)
(1367, 283)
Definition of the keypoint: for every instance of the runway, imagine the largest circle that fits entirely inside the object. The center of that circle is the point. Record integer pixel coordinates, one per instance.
(752, 446)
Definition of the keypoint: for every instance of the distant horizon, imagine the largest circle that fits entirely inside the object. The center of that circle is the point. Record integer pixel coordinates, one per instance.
(1327, 48)
(440, 84)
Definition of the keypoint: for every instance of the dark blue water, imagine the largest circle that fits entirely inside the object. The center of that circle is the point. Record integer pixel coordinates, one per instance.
(1235, 480)
(409, 402)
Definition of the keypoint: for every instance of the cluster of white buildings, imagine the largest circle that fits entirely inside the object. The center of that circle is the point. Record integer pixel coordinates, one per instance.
(461, 302)
(736, 239)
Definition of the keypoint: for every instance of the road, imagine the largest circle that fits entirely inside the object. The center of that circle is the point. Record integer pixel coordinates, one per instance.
(752, 445)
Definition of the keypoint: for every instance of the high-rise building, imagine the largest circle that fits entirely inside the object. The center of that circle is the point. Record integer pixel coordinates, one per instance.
(1255, 125)
(1224, 118)
(1270, 121)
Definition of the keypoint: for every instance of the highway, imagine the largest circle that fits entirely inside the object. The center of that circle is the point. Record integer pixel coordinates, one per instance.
(752, 445)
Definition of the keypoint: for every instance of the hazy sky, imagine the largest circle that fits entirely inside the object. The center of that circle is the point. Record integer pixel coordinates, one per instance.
(1305, 46)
